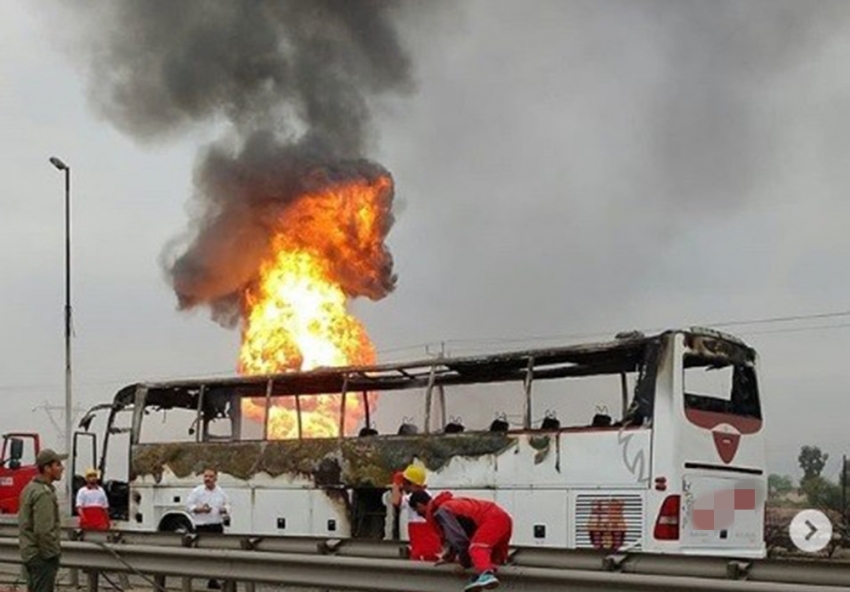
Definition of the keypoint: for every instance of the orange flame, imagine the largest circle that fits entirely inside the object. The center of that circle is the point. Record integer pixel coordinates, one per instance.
(296, 313)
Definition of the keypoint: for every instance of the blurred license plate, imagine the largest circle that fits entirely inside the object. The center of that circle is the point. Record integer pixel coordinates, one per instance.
(7, 481)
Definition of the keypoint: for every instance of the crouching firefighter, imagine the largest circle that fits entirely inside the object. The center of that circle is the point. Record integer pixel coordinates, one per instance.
(476, 533)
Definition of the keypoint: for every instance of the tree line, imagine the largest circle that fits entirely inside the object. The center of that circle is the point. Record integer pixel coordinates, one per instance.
(820, 491)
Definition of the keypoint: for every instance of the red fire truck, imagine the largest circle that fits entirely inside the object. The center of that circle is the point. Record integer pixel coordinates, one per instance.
(17, 467)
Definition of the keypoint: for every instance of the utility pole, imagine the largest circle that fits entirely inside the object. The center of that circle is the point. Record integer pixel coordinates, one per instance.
(61, 166)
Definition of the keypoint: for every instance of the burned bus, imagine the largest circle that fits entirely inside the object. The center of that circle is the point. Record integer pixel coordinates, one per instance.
(678, 467)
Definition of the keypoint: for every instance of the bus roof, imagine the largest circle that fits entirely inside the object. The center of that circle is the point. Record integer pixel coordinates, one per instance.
(622, 355)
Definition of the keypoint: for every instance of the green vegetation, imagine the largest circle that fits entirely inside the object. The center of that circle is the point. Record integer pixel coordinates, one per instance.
(812, 461)
(815, 490)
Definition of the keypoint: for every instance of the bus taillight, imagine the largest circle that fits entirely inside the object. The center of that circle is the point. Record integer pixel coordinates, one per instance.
(667, 524)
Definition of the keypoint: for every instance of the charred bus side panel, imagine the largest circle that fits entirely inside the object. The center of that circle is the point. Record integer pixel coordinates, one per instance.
(609, 483)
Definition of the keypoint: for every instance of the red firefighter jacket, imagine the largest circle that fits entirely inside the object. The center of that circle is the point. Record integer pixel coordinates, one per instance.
(457, 519)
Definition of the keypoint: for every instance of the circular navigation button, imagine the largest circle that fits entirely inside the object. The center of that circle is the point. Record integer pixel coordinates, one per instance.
(810, 531)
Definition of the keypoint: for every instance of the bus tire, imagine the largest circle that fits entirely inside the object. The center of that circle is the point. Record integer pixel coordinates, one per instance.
(176, 523)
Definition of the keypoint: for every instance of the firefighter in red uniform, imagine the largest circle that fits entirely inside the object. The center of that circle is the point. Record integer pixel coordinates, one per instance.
(476, 533)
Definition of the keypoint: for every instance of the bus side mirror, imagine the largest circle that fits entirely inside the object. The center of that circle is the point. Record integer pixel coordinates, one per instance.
(85, 422)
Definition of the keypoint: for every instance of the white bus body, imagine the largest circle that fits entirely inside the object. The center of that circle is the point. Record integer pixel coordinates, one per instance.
(682, 471)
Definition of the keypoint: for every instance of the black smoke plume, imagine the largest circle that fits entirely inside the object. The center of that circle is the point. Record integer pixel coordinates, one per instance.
(290, 81)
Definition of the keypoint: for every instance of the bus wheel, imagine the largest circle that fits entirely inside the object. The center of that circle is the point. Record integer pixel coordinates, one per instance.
(178, 524)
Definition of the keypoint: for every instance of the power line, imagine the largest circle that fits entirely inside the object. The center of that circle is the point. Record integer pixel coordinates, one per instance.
(798, 329)
(117, 381)
(607, 334)
(494, 341)
(823, 315)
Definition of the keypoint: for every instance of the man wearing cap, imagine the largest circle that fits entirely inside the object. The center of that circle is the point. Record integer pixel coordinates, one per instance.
(38, 522)
(425, 542)
(92, 504)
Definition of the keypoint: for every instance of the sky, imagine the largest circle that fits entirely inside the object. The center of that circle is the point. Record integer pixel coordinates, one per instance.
(562, 168)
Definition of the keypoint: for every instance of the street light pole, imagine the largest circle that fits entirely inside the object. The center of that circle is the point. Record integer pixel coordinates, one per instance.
(68, 399)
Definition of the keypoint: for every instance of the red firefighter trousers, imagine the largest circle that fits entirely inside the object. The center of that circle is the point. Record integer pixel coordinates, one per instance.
(489, 544)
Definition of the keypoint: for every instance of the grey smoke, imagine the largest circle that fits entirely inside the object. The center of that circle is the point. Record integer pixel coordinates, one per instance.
(715, 134)
(245, 194)
(290, 81)
(691, 133)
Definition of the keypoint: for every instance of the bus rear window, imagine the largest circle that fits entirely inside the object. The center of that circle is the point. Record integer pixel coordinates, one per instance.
(731, 389)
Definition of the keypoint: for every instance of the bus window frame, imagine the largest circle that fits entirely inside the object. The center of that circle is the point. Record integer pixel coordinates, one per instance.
(143, 403)
(640, 355)
(429, 394)
(266, 411)
(527, 385)
(342, 404)
(736, 366)
(201, 423)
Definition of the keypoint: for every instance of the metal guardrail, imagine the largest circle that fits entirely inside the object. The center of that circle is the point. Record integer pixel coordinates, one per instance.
(824, 573)
(372, 574)
(272, 544)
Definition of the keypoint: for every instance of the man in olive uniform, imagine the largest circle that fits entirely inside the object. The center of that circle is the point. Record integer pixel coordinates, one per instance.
(38, 521)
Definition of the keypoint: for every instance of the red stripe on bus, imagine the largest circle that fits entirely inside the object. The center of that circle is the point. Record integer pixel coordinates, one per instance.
(711, 419)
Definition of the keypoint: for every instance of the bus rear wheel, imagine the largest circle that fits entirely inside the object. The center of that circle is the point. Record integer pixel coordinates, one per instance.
(178, 524)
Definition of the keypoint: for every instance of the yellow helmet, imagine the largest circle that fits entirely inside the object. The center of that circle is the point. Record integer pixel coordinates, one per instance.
(415, 474)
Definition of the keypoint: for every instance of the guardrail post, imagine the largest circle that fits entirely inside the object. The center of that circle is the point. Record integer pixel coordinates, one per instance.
(738, 570)
(92, 580)
(74, 574)
(188, 540)
(158, 583)
(250, 544)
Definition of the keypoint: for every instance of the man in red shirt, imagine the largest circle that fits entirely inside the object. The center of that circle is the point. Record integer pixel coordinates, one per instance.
(476, 532)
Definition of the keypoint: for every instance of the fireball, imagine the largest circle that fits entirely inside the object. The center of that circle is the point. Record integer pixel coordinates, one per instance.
(329, 248)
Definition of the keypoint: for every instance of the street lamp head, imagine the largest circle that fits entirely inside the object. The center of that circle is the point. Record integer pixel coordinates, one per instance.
(58, 163)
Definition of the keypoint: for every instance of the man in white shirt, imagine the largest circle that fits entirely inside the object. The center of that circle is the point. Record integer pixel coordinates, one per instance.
(92, 503)
(209, 506)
